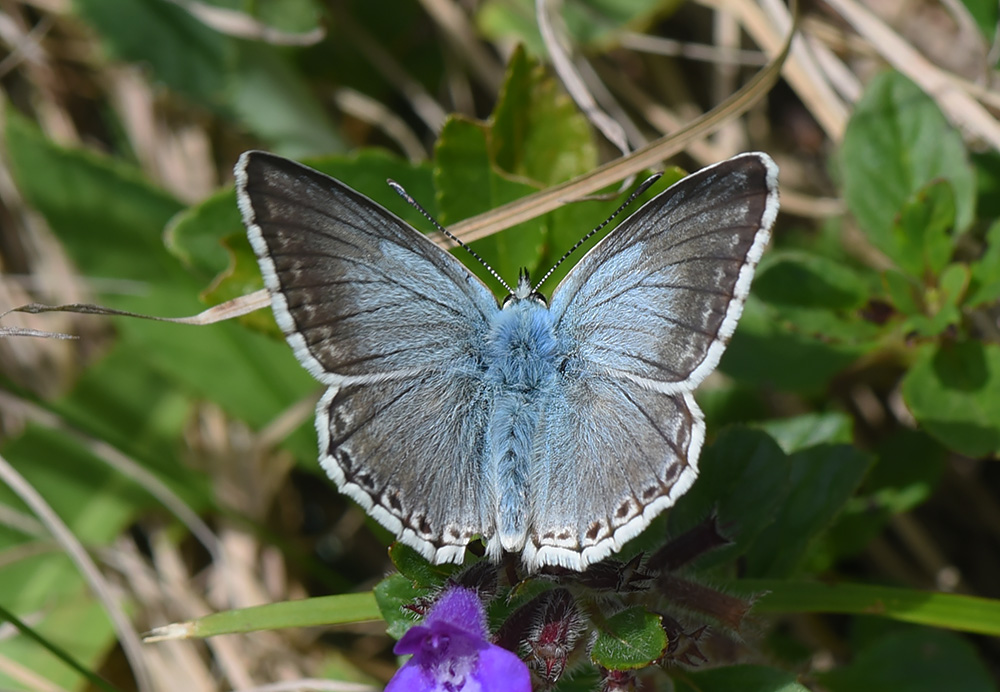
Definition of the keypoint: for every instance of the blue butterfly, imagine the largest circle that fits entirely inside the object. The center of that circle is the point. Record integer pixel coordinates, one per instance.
(554, 431)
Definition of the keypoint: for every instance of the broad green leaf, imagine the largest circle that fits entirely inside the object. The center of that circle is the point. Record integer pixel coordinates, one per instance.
(904, 291)
(948, 610)
(985, 272)
(810, 429)
(395, 595)
(536, 131)
(897, 142)
(107, 216)
(633, 638)
(745, 678)
(908, 467)
(921, 232)
(182, 52)
(273, 100)
(953, 390)
(802, 279)
(468, 184)
(765, 351)
(416, 568)
(987, 169)
(743, 476)
(915, 660)
(821, 480)
(815, 296)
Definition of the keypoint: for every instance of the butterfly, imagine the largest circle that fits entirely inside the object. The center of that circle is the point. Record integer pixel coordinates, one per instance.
(557, 431)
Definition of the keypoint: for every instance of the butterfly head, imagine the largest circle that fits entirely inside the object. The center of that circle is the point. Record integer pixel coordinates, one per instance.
(524, 291)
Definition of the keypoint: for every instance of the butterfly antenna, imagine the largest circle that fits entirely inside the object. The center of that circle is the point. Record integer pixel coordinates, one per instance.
(413, 203)
(631, 198)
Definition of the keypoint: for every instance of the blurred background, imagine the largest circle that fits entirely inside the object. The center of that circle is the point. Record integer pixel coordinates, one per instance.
(180, 461)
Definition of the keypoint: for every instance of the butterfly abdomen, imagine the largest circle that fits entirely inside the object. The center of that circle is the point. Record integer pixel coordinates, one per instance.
(521, 350)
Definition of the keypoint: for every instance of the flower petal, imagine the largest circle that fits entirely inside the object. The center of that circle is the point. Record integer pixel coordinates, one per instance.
(461, 608)
(500, 670)
(411, 641)
(410, 678)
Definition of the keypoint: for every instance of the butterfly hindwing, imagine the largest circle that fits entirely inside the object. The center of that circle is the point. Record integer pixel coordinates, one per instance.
(610, 457)
(409, 450)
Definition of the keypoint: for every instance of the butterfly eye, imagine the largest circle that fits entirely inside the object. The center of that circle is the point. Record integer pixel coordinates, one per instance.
(534, 296)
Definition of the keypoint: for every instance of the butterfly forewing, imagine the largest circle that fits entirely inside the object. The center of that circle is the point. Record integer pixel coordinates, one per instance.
(659, 297)
(357, 291)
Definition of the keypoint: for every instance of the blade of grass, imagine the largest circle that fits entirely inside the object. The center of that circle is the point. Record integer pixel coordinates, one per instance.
(57, 651)
(308, 612)
(950, 611)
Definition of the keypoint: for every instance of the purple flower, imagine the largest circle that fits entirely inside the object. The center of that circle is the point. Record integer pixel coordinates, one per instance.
(451, 652)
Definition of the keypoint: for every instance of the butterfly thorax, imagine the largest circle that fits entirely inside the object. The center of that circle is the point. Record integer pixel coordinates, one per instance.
(521, 347)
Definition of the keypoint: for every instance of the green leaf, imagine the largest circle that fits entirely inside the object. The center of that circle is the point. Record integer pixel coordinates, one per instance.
(803, 279)
(952, 611)
(745, 678)
(743, 477)
(915, 660)
(809, 430)
(987, 170)
(821, 480)
(416, 568)
(274, 101)
(394, 595)
(904, 291)
(908, 467)
(633, 638)
(921, 233)
(107, 216)
(536, 131)
(897, 142)
(984, 286)
(954, 393)
(111, 223)
(182, 52)
(297, 16)
(771, 353)
(468, 184)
